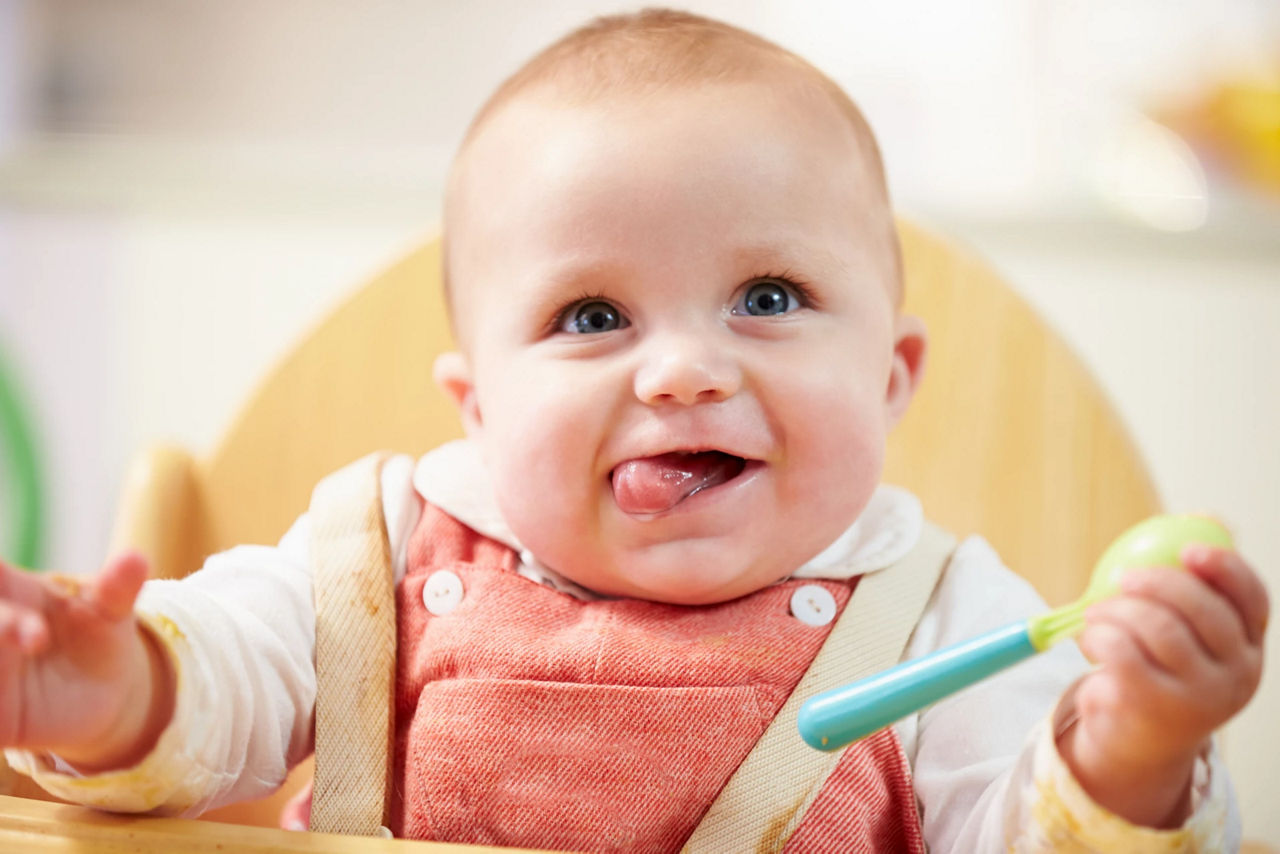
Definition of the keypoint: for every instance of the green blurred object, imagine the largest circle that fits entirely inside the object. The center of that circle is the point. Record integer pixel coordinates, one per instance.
(23, 531)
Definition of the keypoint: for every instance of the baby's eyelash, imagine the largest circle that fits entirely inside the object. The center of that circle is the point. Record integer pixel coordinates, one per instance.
(558, 317)
(808, 297)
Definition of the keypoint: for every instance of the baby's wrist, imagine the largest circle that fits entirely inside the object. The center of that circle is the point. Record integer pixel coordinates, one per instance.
(142, 717)
(1148, 790)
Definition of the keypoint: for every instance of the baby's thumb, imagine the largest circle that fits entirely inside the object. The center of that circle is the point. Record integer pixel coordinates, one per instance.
(117, 586)
(296, 814)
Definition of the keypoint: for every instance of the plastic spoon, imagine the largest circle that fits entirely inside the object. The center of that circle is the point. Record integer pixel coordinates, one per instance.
(835, 718)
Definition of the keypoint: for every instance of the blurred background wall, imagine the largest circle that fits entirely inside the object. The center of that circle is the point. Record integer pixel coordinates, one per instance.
(185, 187)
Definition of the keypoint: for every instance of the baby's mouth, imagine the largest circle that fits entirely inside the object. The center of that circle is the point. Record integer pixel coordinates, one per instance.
(652, 485)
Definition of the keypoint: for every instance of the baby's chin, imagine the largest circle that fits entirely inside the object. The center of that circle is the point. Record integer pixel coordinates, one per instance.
(675, 583)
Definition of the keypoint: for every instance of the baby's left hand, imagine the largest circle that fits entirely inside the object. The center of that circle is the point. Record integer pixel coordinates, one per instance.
(1180, 653)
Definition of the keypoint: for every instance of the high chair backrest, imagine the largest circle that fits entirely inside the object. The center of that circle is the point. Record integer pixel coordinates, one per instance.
(1009, 435)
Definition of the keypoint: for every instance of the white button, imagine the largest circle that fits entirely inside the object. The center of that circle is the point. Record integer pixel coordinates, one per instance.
(813, 605)
(442, 592)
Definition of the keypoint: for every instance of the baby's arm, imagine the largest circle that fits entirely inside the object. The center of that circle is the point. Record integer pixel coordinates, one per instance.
(240, 635)
(1179, 654)
(79, 676)
(986, 769)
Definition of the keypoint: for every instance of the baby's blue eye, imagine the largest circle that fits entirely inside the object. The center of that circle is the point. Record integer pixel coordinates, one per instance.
(764, 299)
(593, 316)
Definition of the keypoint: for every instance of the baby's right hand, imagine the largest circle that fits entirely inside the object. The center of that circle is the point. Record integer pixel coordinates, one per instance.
(78, 676)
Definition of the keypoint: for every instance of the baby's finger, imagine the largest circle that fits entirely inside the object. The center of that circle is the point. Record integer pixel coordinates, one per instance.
(117, 586)
(1212, 618)
(1159, 632)
(23, 628)
(22, 587)
(1229, 573)
(1110, 645)
(296, 814)
(1126, 685)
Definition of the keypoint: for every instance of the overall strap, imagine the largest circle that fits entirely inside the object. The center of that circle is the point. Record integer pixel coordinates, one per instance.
(355, 650)
(766, 798)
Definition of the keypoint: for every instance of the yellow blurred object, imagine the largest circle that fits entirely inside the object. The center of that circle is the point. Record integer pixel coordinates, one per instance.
(1009, 436)
(1237, 126)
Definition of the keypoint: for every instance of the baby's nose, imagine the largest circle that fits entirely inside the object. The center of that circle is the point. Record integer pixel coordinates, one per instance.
(687, 370)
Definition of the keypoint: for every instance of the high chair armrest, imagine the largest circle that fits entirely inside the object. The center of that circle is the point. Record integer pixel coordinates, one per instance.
(161, 512)
(38, 826)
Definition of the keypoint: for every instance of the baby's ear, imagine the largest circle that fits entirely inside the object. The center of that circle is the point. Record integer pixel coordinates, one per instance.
(452, 373)
(910, 344)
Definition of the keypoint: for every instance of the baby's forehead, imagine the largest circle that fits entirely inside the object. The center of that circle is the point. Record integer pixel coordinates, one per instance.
(710, 131)
(511, 141)
(543, 128)
(824, 112)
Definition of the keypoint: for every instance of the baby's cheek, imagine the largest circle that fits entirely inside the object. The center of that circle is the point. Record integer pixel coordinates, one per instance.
(845, 442)
(835, 477)
(543, 482)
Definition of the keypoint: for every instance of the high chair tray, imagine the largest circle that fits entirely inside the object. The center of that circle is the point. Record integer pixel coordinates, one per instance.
(34, 827)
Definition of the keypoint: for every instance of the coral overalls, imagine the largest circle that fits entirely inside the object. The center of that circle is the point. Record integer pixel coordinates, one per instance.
(527, 717)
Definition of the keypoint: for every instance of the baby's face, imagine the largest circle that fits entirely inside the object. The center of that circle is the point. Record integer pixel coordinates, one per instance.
(682, 354)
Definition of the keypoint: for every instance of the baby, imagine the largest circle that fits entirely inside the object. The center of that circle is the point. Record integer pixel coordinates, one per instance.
(675, 285)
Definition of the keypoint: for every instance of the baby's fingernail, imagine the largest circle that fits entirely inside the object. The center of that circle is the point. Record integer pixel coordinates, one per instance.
(295, 824)
(1196, 553)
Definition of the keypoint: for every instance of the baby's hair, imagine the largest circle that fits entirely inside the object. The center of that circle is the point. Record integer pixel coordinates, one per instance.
(657, 50)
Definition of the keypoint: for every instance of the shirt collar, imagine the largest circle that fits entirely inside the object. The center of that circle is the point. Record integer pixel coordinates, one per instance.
(453, 477)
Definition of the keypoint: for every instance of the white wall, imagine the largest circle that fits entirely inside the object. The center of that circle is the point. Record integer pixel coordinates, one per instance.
(10, 70)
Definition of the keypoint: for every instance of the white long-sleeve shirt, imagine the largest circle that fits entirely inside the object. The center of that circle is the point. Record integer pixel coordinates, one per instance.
(241, 635)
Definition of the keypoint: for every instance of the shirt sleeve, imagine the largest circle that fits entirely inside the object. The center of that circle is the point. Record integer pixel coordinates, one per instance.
(984, 761)
(240, 634)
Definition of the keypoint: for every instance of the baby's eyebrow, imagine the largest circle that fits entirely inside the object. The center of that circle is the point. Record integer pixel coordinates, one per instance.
(546, 290)
(800, 256)
(578, 274)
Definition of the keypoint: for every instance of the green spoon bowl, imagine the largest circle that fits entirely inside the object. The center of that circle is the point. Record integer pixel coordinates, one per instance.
(1157, 541)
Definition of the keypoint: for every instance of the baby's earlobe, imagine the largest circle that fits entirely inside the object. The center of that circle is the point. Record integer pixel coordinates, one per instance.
(452, 372)
(909, 348)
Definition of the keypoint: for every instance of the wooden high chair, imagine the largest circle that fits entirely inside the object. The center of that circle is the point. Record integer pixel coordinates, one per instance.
(1009, 436)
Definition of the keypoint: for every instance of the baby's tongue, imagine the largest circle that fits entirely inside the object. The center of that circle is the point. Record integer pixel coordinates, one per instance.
(655, 484)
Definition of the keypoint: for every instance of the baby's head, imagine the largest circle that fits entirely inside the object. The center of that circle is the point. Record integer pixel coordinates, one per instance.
(674, 280)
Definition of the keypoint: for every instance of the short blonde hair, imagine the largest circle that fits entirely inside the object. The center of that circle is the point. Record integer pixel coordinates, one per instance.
(656, 50)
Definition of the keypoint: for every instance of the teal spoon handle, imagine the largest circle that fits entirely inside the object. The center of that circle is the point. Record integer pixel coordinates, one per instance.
(835, 718)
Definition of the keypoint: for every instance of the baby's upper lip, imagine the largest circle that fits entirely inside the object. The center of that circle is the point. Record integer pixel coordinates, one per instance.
(650, 451)
(737, 434)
